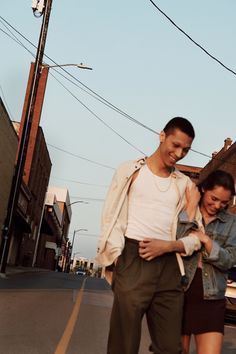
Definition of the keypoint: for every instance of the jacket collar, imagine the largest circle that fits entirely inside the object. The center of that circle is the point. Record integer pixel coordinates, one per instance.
(222, 215)
(143, 160)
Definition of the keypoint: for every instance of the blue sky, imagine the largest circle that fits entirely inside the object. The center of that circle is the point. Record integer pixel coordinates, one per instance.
(141, 64)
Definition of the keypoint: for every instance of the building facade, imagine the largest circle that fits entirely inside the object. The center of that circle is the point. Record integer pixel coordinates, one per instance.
(8, 148)
(225, 160)
(31, 203)
(53, 250)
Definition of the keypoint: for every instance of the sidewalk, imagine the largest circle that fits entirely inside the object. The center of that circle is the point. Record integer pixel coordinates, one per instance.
(19, 269)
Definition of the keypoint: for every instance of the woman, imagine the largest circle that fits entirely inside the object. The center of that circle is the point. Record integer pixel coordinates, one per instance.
(206, 270)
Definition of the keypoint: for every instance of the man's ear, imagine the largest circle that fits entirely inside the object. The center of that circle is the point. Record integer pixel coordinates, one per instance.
(162, 136)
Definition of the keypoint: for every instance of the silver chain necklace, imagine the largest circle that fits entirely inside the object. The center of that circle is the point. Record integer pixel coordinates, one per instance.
(158, 187)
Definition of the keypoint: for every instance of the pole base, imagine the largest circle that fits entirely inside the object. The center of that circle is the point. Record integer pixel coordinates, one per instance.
(3, 275)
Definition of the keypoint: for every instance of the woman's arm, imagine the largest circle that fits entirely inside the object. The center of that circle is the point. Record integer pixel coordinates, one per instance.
(220, 251)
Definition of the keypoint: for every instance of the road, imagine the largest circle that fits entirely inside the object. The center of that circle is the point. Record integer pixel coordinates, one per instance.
(58, 313)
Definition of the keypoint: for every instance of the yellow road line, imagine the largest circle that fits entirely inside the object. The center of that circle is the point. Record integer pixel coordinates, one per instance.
(65, 339)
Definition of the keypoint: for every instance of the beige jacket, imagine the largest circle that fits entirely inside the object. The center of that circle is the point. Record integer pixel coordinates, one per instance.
(115, 212)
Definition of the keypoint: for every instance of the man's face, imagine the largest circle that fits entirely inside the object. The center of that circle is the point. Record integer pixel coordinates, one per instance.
(174, 147)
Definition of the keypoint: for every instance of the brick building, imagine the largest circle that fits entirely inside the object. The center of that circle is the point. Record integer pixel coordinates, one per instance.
(190, 171)
(37, 168)
(31, 200)
(225, 160)
(36, 175)
(8, 147)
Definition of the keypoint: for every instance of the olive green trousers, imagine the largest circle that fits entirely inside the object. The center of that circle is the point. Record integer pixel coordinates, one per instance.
(145, 287)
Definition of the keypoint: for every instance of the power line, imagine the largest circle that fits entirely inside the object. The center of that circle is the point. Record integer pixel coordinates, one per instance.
(91, 92)
(79, 182)
(97, 117)
(88, 198)
(15, 39)
(85, 106)
(23, 143)
(80, 157)
(102, 100)
(97, 163)
(192, 40)
(85, 234)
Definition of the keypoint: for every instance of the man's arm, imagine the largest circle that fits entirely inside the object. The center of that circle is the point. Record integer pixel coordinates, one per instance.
(193, 196)
(151, 248)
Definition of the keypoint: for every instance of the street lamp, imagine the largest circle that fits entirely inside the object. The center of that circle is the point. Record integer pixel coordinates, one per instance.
(81, 66)
(35, 96)
(73, 239)
(78, 201)
(24, 140)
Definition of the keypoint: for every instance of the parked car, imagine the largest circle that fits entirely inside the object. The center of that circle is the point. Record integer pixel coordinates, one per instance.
(230, 314)
(80, 272)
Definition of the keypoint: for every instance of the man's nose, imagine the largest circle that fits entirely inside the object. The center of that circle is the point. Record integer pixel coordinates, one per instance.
(179, 153)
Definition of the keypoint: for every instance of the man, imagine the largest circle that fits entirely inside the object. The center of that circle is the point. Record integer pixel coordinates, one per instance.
(142, 205)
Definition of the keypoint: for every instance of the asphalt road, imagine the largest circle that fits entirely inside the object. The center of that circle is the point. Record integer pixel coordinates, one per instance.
(59, 313)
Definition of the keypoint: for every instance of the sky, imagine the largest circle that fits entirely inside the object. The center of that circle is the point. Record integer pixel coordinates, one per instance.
(143, 65)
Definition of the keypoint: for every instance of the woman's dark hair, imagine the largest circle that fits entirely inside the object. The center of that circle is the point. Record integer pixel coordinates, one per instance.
(218, 178)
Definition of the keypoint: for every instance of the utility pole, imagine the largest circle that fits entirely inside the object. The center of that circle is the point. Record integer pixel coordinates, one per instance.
(23, 144)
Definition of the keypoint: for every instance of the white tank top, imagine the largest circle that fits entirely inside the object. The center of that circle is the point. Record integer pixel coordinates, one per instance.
(152, 205)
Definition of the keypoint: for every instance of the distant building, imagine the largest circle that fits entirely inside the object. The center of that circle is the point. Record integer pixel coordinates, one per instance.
(82, 264)
(190, 171)
(225, 160)
(50, 234)
(53, 247)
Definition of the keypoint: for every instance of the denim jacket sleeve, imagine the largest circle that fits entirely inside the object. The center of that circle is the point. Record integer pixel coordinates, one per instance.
(223, 253)
(184, 225)
(191, 242)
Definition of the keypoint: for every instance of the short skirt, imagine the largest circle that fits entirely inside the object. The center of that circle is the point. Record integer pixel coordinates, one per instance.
(201, 316)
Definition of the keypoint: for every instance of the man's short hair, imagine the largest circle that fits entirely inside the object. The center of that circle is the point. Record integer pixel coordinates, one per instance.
(180, 123)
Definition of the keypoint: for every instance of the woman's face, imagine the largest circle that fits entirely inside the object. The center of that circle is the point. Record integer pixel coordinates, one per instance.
(214, 200)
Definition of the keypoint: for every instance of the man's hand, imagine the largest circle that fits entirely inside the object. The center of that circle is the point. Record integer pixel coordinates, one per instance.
(205, 240)
(151, 248)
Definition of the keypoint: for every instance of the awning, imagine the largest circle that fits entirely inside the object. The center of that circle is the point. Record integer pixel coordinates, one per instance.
(51, 245)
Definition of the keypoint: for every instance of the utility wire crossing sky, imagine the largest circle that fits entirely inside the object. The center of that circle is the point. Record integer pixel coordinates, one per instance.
(141, 61)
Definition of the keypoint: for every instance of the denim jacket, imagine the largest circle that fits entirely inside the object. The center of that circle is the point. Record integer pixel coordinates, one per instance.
(215, 266)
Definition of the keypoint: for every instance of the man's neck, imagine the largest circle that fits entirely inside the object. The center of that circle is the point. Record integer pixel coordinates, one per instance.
(157, 167)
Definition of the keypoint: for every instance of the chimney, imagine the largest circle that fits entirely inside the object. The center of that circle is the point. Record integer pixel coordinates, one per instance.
(227, 144)
(214, 154)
